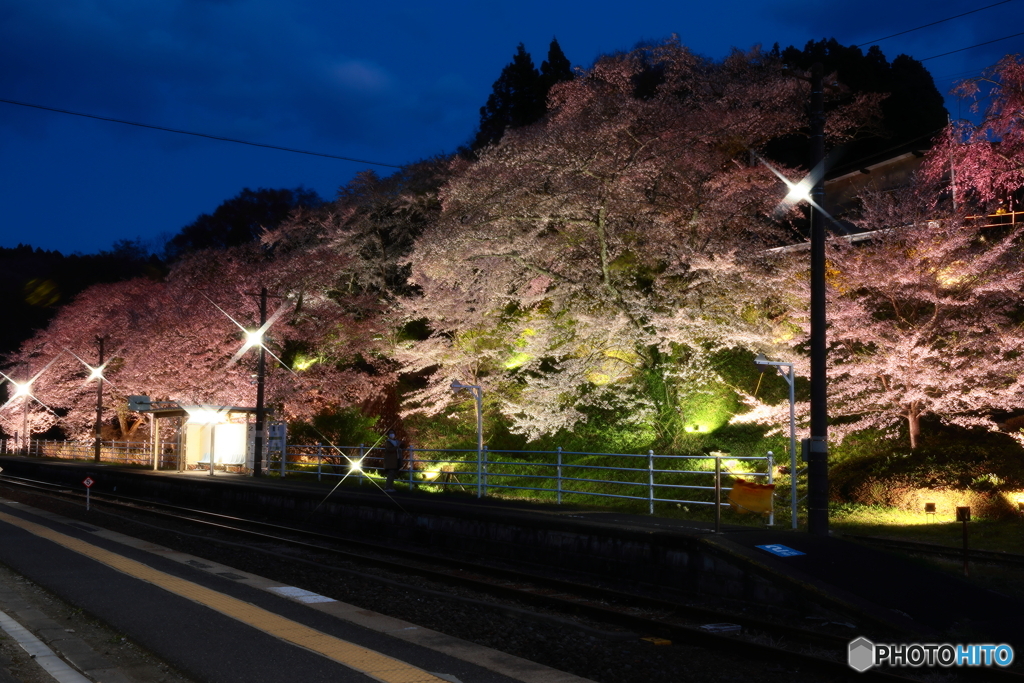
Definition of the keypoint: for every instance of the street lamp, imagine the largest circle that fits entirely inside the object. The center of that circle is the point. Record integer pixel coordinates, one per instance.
(812, 190)
(255, 338)
(763, 364)
(23, 390)
(97, 374)
(478, 394)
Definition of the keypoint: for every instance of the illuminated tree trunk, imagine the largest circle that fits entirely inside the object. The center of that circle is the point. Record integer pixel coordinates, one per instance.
(913, 416)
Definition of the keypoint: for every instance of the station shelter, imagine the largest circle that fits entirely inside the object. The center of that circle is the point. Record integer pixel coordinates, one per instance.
(223, 435)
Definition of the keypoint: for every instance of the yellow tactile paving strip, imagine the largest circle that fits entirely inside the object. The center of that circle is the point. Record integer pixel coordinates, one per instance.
(373, 664)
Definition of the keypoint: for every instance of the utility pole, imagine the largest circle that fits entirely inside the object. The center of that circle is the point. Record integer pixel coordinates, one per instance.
(261, 371)
(99, 402)
(26, 440)
(817, 459)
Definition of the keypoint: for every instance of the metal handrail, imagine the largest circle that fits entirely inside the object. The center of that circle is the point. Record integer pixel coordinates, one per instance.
(464, 468)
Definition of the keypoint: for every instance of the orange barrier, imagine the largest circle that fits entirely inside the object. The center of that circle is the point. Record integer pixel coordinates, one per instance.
(753, 498)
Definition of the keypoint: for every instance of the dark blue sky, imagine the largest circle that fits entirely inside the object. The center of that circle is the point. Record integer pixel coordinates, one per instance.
(383, 81)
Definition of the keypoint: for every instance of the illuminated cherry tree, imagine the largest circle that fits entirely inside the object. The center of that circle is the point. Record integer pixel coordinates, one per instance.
(986, 158)
(614, 245)
(176, 339)
(923, 319)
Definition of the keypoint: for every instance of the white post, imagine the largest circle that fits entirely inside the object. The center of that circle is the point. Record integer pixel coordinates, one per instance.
(559, 475)
(718, 493)
(478, 394)
(771, 480)
(213, 431)
(650, 479)
(480, 474)
(792, 447)
(156, 441)
(484, 451)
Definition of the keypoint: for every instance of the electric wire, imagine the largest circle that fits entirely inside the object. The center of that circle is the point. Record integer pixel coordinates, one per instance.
(940, 21)
(197, 134)
(969, 47)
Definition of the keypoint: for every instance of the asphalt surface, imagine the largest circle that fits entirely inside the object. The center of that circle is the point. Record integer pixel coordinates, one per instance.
(202, 642)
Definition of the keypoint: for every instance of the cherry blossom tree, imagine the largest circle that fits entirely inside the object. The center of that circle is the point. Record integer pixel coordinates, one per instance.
(923, 319)
(620, 241)
(178, 339)
(986, 158)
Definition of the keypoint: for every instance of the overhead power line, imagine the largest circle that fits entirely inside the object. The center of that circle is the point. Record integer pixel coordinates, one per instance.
(940, 21)
(198, 135)
(969, 47)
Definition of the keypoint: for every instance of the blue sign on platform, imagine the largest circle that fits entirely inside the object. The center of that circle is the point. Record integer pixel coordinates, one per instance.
(780, 550)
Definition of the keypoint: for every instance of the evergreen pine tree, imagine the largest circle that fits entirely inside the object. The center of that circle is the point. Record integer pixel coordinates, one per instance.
(517, 99)
(555, 69)
(913, 111)
(519, 96)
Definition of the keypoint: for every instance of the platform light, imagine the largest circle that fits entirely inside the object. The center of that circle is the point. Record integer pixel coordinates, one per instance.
(252, 338)
(21, 389)
(798, 192)
(203, 415)
(24, 390)
(95, 372)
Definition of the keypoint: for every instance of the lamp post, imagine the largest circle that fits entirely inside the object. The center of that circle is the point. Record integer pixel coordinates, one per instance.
(261, 374)
(255, 338)
(98, 373)
(817, 459)
(763, 364)
(478, 394)
(812, 190)
(23, 390)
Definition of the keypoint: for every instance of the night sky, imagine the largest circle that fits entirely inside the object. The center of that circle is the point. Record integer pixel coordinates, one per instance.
(389, 82)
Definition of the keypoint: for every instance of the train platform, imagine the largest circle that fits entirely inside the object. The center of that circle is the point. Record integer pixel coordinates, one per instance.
(778, 568)
(217, 623)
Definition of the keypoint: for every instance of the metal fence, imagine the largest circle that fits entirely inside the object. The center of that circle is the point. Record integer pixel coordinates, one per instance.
(557, 476)
(552, 475)
(117, 452)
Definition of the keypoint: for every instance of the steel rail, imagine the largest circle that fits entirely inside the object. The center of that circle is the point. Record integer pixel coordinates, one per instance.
(565, 596)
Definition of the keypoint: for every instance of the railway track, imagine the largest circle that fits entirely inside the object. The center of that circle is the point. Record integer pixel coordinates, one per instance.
(605, 611)
(974, 555)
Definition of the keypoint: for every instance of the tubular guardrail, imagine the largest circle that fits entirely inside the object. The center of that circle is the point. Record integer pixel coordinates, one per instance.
(646, 477)
(120, 452)
(556, 475)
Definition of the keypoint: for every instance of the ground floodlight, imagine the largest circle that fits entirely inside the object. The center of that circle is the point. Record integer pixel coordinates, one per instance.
(929, 508)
